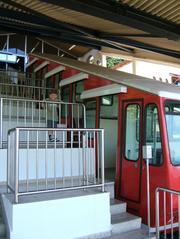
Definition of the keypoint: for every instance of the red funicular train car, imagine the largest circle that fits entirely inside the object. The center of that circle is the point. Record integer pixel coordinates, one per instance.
(137, 112)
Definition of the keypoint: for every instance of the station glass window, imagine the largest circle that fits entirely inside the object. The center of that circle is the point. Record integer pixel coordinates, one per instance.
(152, 134)
(132, 132)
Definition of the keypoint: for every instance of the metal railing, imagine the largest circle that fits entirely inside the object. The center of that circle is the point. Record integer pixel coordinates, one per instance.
(35, 165)
(38, 113)
(167, 213)
(15, 77)
(24, 91)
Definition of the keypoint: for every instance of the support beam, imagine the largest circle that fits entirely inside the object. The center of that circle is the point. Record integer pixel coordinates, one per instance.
(48, 21)
(38, 68)
(74, 78)
(31, 62)
(54, 71)
(104, 90)
(144, 46)
(119, 13)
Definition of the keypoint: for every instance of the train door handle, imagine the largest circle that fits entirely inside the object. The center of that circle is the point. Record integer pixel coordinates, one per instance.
(136, 164)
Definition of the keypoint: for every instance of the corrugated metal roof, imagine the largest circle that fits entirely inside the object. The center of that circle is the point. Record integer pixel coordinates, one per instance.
(77, 18)
(166, 9)
(124, 30)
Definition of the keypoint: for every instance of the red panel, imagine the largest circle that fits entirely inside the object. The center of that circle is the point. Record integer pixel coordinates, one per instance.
(69, 72)
(94, 82)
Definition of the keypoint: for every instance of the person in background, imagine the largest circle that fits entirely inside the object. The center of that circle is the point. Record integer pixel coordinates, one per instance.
(52, 114)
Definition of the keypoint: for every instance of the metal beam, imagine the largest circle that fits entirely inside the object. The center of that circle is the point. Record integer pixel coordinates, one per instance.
(107, 41)
(48, 21)
(152, 48)
(119, 13)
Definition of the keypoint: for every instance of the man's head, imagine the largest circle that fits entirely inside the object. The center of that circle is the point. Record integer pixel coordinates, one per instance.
(53, 94)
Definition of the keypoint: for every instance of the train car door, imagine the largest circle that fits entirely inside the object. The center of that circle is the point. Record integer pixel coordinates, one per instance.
(108, 120)
(131, 150)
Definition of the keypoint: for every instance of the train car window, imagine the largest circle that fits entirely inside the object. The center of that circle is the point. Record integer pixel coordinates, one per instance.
(107, 100)
(109, 110)
(90, 114)
(152, 135)
(173, 129)
(79, 88)
(132, 132)
(65, 95)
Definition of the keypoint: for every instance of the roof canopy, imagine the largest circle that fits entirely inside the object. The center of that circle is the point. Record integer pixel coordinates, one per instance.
(122, 78)
(140, 28)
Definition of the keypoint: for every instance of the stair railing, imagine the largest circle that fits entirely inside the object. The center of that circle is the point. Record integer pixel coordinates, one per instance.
(15, 112)
(167, 213)
(37, 165)
(24, 91)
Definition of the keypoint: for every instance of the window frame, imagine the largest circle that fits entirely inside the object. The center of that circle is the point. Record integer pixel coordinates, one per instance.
(169, 154)
(111, 97)
(126, 104)
(161, 141)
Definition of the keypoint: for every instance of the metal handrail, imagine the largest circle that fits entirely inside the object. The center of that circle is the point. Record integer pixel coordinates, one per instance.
(77, 173)
(26, 86)
(174, 199)
(25, 78)
(24, 91)
(33, 112)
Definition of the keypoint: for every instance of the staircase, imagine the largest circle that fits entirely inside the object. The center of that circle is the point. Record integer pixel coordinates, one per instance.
(2, 225)
(124, 224)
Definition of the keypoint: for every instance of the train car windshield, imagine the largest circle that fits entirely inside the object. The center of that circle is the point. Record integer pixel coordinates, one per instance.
(172, 113)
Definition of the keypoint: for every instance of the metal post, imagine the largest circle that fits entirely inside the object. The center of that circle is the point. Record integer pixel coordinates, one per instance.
(102, 158)
(157, 214)
(148, 195)
(179, 213)
(42, 47)
(7, 48)
(25, 52)
(84, 111)
(8, 161)
(17, 167)
(1, 123)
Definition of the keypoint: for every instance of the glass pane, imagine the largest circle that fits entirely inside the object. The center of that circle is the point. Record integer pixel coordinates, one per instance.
(109, 122)
(79, 89)
(153, 136)
(107, 100)
(109, 111)
(173, 129)
(132, 132)
(65, 94)
(90, 114)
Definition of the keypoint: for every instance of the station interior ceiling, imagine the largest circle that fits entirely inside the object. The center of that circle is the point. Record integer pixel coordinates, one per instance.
(138, 28)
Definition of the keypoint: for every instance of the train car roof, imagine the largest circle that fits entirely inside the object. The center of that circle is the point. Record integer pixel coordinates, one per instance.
(130, 80)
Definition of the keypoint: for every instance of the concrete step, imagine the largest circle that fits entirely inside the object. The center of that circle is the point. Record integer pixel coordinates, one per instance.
(2, 230)
(125, 222)
(109, 187)
(135, 234)
(117, 206)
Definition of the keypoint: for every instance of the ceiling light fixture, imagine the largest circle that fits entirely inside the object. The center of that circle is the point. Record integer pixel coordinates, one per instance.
(71, 47)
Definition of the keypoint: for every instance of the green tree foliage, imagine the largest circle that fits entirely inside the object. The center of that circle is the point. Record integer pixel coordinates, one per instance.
(112, 61)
